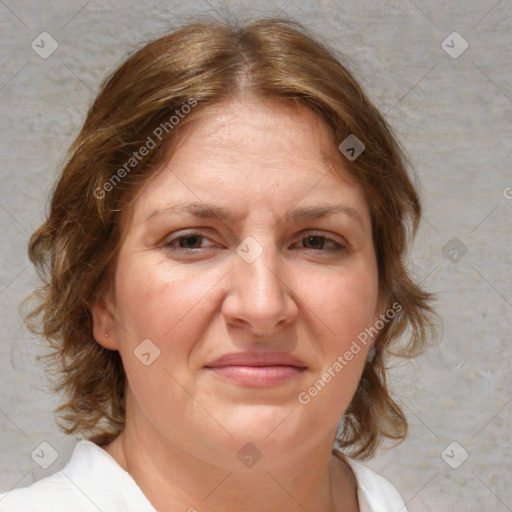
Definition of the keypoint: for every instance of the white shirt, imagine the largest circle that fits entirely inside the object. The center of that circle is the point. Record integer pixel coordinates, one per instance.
(93, 481)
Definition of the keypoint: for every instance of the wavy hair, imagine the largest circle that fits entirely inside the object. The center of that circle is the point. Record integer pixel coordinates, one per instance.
(209, 62)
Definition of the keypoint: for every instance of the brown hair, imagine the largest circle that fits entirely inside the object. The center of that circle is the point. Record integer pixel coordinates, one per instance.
(201, 65)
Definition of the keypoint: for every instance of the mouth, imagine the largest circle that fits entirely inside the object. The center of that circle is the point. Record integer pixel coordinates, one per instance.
(257, 369)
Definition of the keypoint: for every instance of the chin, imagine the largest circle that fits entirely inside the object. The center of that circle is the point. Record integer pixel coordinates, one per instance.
(275, 430)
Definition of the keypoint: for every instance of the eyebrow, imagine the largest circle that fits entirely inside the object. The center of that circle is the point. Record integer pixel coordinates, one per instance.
(316, 212)
(203, 210)
(196, 209)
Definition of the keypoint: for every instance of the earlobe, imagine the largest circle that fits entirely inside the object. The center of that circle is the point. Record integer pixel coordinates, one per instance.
(104, 325)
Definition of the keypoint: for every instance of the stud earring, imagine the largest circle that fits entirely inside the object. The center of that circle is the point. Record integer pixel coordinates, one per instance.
(106, 335)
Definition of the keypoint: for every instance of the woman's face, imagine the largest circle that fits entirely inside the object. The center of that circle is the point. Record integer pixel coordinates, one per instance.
(246, 272)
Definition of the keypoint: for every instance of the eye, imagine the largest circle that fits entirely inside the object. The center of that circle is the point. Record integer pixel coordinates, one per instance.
(321, 243)
(188, 241)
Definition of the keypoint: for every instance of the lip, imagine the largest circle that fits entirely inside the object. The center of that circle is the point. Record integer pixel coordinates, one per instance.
(257, 369)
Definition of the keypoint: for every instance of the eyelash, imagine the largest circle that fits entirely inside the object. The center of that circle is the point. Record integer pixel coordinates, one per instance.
(169, 245)
(337, 247)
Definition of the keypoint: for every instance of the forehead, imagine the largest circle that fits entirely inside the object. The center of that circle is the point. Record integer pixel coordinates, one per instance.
(266, 134)
(252, 154)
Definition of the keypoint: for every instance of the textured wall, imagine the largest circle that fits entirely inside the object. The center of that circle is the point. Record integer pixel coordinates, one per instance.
(453, 113)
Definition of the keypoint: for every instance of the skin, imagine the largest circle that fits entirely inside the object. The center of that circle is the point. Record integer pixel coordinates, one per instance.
(185, 423)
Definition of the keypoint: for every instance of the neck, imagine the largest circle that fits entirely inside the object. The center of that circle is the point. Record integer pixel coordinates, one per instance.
(172, 478)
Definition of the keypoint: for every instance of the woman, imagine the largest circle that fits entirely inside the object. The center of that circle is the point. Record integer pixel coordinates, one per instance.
(224, 280)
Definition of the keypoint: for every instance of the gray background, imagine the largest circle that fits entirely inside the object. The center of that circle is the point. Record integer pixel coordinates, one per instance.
(452, 114)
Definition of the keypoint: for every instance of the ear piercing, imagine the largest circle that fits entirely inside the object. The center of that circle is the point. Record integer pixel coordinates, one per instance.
(106, 335)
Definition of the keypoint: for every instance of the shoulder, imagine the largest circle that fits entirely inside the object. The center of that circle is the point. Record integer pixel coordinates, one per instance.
(375, 493)
(90, 481)
(51, 493)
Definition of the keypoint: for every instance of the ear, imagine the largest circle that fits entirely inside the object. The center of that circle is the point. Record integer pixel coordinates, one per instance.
(104, 323)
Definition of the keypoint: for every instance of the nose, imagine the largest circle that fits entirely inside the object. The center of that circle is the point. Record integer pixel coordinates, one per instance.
(259, 299)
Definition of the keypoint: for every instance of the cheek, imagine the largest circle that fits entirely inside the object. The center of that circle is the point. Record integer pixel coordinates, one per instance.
(346, 305)
(153, 297)
(171, 306)
(345, 302)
